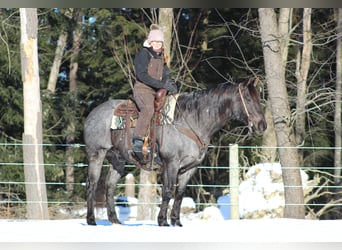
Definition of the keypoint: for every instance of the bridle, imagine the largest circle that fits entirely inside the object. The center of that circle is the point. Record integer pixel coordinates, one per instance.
(250, 123)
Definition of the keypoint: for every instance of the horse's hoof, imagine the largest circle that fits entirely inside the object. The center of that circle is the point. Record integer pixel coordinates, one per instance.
(91, 222)
(116, 221)
(176, 223)
(163, 224)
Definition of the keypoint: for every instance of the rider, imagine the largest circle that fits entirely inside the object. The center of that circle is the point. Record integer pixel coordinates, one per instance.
(152, 74)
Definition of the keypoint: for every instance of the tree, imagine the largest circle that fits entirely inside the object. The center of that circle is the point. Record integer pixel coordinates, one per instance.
(57, 62)
(165, 23)
(302, 70)
(337, 116)
(70, 138)
(273, 49)
(36, 196)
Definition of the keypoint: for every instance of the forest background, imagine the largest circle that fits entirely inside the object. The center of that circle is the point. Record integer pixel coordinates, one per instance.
(96, 48)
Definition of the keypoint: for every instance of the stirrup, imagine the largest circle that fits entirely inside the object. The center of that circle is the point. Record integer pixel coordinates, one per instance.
(138, 155)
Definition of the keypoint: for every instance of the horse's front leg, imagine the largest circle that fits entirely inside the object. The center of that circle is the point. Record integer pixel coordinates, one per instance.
(162, 216)
(179, 193)
(168, 182)
(112, 179)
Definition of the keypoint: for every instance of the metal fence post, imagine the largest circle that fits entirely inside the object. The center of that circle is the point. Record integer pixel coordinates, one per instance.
(234, 180)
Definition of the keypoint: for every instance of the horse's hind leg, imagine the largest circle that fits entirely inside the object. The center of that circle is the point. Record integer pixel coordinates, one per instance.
(112, 179)
(95, 161)
(179, 193)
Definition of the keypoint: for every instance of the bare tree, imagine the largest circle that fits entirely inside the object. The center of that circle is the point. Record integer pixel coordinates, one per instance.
(37, 207)
(302, 70)
(270, 152)
(165, 23)
(57, 62)
(77, 34)
(269, 141)
(273, 41)
(337, 118)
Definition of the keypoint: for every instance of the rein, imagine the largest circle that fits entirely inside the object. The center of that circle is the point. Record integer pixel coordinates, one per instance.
(192, 135)
(245, 108)
(250, 123)
(243, 102)
(189, 132)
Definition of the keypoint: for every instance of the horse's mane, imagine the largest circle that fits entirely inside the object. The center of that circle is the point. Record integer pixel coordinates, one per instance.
(194, 104)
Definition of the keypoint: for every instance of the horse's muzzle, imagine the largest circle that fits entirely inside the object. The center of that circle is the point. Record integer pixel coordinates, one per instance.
(259, 128)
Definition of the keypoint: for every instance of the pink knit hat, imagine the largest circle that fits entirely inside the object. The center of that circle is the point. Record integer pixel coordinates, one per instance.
(155, 34)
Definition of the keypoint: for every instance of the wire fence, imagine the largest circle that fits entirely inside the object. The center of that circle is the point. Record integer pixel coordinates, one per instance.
(322, 190)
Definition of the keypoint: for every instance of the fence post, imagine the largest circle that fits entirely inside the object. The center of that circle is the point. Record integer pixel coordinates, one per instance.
(130, 187)
(234, 180)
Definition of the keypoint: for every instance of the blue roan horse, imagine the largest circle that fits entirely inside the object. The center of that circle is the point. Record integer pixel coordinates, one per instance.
(182, 145)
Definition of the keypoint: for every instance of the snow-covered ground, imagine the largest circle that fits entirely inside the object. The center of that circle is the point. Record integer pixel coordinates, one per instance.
(261, 195)
(205, 227)
(251, 230)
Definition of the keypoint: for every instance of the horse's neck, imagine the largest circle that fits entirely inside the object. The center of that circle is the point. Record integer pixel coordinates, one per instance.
(205, 121)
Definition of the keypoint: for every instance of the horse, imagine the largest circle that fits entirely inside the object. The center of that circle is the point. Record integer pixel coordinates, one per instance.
(182, 145)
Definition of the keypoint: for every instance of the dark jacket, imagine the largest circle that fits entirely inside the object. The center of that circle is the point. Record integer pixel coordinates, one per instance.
(141, 62)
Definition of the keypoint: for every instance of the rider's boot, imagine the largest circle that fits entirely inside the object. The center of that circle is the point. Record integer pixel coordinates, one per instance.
(137, 148)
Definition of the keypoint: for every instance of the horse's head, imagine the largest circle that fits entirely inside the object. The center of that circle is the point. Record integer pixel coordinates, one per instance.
(251, 106)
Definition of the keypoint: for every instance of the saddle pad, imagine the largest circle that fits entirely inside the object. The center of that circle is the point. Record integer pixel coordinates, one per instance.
(165, 115)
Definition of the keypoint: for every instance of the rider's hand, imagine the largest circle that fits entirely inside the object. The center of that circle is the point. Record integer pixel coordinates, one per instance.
(171, 87)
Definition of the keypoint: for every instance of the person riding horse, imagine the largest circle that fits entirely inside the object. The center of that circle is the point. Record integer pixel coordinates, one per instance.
(152, 74)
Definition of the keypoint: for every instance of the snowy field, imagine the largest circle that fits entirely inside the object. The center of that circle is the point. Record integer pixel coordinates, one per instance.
(227, 234)
(205, 230)
(258, 230)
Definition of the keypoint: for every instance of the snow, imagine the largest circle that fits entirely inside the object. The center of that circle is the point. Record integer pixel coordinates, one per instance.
(261, 194)
(251, 230)
(261, 190)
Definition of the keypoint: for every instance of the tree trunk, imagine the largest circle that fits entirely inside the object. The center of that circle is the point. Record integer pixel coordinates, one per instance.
(205, 22)
(269, 141)
(37, 207)
(337, 118)
(165, 23)
(275, 77)
(303, 66)
(57, 62)
(285, 16)
(77, 33)
(269, 153)
(147, 195)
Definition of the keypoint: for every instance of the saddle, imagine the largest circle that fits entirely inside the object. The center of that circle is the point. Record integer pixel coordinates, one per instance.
(130, 110)
(127, 108)
(128, 114)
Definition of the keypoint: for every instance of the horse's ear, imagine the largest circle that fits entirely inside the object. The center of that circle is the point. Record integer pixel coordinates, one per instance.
(253, 81)
(246, 82)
